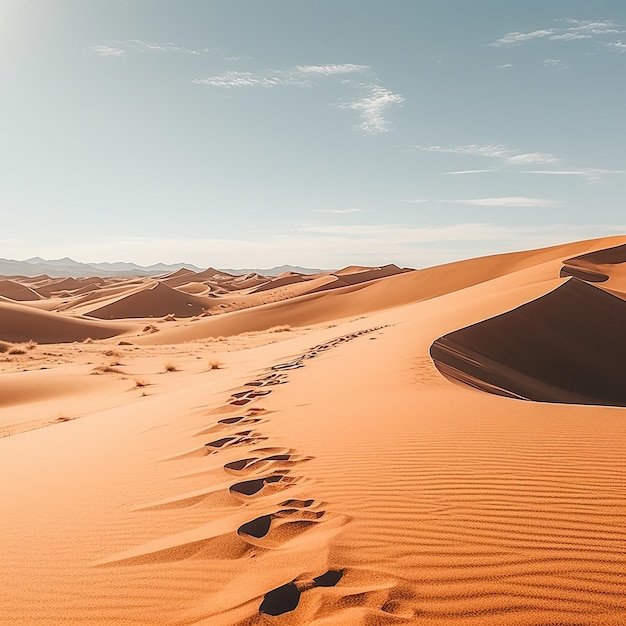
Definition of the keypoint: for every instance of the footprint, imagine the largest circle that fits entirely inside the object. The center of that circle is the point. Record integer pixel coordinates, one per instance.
(253, 464)
(286, 598)
(275, 529)
(223, 424)
(245, 437)
(289, 365)
(268, 484)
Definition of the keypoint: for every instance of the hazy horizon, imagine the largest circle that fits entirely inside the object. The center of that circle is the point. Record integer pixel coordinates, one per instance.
(241, 134)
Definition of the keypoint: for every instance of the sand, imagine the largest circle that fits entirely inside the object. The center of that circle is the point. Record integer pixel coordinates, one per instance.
(298, 457)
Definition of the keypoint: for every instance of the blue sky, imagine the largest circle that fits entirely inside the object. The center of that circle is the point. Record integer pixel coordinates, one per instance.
(322, 133)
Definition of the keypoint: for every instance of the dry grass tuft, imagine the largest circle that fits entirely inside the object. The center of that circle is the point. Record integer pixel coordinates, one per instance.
(30, 344)
(170, 367)
(279, 329)
(170, 317)
(214, 364)
(140, 383)
(150, 328)
(17, 350)
(89, 340)
(106, 369)
(114, 353)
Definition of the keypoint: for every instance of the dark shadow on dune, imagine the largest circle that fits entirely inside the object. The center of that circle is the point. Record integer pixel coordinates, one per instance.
(567, 346)
(585, 266)
(586, 275)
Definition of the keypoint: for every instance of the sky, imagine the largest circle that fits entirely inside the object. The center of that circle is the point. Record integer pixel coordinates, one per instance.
(322, 133)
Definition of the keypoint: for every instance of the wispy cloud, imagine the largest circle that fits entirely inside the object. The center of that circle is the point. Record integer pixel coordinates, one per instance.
(128, 45)
(168, 46)
(556, 64)
(517, 37)
(108, 51)
(300, 75)
(372, 108)
(331, 69)
(509, 201)
(341, 211)
(472, 171)
(504, 201)
(590, 173)
(504, 66)
(514, 160)
(567, 30)
(493, 151)
(619, 46)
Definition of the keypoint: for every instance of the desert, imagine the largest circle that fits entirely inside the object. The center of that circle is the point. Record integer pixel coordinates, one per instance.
(371, 445)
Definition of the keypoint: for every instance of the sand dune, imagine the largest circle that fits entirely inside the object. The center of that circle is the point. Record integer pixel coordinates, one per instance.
(567, 346)
(327, 474)
(14, 291)
(22, 323)
(157, 300)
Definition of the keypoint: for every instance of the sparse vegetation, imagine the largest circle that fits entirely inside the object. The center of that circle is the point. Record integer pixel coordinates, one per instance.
(114, 353)
(17, 350)
(107, 369)
(170, 367)
(214, 364)
(89, 340)
(140, 383)
(170, 317)
(150, 328)
(30, 344)
(279, 329)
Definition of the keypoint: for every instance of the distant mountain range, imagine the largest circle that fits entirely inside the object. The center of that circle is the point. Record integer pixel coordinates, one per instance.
(56, 268)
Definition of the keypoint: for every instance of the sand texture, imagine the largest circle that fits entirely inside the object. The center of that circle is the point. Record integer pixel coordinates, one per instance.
(370, 446)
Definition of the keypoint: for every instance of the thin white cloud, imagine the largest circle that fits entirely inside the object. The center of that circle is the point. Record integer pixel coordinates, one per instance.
(515, 159)
(472, 171)
(591, 174)
(341, 211)
(372, 108)
(505, 201)
(620, 46)
(108, 51)
(504, 66)
(493, 151)
(572, 30)
(556, 64)
(161, 47)
(248, 79)
(510, 201)
(300, 75)
(122, 47)
(331, 69)
(517, 37)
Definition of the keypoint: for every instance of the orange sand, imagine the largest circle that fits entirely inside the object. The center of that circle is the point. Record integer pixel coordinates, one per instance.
(220, 467)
